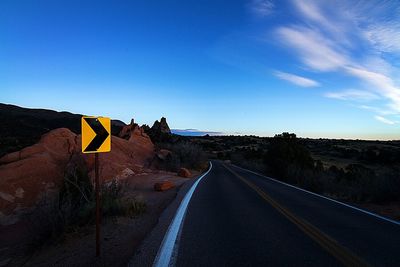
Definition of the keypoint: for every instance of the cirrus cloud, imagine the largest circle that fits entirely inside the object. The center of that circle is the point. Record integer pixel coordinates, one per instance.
(384, 120)
(326, 39)
(262, 7)
(295, 79)
(352, 94)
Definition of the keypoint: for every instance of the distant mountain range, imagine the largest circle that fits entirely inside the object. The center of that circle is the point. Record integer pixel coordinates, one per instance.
(194, 132)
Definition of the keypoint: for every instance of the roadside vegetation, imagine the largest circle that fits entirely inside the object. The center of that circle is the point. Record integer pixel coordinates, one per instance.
(350, 170)
(183, 154)
(72, 209)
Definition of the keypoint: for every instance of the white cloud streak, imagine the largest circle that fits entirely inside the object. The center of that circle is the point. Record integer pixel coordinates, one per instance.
(315, 50)
(295, 79)
(381, 84)
(316, 42)
(384, 120)
(352, 94)
(381, 111)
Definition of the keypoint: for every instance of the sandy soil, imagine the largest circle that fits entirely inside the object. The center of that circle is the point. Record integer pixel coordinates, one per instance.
(120, 236)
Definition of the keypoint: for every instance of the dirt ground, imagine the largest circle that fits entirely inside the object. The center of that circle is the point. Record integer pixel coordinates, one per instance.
(389, 210)
(120, 235)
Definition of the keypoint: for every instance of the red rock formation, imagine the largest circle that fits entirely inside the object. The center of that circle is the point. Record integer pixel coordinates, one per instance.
(163, 186)
(135, 134)
(39, 169)
(161, 126)
(183, 172)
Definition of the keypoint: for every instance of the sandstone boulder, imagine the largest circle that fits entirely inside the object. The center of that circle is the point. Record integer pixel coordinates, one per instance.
(163, 186)
(183, 172)
(36, 171)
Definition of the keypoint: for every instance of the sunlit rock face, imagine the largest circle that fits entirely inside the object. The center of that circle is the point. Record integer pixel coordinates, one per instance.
(36, 172)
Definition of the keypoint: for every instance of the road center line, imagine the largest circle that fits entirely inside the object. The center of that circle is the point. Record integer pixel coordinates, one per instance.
(329, 244)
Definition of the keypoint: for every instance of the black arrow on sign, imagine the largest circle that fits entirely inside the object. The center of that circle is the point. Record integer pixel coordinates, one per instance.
(101, 134)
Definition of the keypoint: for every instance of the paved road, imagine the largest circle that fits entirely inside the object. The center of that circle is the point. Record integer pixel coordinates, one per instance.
(237, 218)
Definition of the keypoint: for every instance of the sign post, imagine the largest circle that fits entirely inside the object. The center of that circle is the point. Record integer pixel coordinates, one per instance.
(97, 185)
(96, 138)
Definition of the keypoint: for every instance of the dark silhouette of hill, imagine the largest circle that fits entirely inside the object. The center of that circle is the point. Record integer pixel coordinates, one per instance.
(21, 127)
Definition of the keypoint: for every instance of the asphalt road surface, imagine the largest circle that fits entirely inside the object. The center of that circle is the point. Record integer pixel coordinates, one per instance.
(238, 218)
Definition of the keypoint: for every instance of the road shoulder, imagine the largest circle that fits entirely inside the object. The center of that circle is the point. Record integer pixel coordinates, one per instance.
(147, 251)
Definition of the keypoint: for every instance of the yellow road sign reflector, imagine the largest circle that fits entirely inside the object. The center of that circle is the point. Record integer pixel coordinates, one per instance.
(96, 134)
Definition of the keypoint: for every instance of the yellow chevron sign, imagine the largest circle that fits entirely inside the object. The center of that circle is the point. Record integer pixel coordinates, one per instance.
(96, 134)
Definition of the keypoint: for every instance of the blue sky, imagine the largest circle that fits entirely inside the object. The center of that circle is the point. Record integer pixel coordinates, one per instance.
(316, 68)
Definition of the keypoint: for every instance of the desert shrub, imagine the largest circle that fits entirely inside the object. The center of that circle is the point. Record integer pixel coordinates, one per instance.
(111, 194)
(366, 185)
(114, 203)
(184, 154)
(56, 213)
(361, 184)
(288, 159)
(172, 162)
(386, 186)
(252, 163)
(74, 206)
(134, 207)
(76, 196)
(45, 222)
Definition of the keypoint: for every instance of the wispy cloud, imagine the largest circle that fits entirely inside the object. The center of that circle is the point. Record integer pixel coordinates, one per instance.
(384, 120)
(352, 94)
(262, 7)
(314, 13)
(381, 111)
(385, 37)
(326, 39)
(295, 79)
(381, 83)
(314, 49)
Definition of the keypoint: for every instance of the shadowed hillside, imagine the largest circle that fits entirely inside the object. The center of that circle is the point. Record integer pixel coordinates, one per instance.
(22, 127)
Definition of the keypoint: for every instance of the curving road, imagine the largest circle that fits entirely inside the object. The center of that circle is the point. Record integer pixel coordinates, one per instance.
(238, 218)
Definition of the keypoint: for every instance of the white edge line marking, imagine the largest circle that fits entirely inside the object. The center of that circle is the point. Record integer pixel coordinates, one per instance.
(321, 196)
(167, 246)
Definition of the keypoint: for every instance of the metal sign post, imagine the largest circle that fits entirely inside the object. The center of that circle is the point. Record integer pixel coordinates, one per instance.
(97, 184)
(96, 138)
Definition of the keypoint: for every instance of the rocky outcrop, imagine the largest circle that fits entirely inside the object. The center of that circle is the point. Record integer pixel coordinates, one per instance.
(183, 172)
(159, 132)
(136, 135)
(161, 126)
(29, 174)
